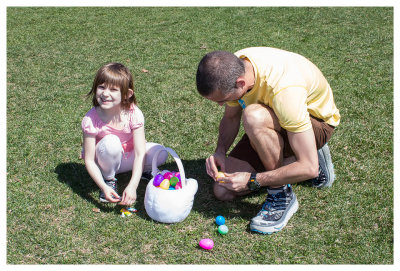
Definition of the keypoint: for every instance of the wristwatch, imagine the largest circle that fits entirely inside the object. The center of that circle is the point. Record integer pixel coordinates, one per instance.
(252, 184)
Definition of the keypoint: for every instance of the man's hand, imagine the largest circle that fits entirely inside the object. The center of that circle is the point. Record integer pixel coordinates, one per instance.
(213, 162)
(236, 181)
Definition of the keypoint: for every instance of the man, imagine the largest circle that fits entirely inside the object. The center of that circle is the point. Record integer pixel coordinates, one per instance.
(288, 115)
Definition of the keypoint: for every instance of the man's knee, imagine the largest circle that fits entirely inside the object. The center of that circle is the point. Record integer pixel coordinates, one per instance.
(221, 193)
(257, 115)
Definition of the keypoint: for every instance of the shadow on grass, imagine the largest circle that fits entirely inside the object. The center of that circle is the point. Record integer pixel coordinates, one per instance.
(75, 175)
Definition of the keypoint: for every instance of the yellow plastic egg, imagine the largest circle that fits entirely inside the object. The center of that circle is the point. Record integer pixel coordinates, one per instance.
(220, 176)
(165, 184)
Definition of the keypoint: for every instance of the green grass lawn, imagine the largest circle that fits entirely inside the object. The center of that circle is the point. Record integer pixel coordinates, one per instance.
(52, 56)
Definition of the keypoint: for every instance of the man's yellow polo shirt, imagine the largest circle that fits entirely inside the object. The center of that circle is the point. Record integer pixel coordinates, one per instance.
(291, 85)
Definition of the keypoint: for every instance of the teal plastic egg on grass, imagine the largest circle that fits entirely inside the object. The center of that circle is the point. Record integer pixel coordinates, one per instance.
(220, 220)
(223, 229)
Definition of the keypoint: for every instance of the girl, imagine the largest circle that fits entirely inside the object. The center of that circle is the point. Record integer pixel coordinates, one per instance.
(113, 135)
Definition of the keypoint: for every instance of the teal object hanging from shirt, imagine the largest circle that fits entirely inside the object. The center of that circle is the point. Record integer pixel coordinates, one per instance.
(242, 104)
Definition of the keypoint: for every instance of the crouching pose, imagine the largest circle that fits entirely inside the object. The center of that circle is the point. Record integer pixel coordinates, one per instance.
(113, 135)
(288, 114)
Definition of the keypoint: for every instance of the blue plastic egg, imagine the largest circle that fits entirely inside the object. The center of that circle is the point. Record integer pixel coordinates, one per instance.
(220, 220)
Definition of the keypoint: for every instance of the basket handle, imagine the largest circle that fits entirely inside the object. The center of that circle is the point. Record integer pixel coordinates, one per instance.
(155, 170)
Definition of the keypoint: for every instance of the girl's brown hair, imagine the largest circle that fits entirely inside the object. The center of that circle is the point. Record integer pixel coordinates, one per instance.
(114, 74)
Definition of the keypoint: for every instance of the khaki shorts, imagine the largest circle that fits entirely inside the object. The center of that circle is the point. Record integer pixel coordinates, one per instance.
(245, 152)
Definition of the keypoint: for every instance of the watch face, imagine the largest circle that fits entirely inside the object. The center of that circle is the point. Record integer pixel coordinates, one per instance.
(254, 185)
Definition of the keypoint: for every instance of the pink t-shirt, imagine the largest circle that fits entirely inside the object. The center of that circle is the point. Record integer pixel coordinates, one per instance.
(93, 125)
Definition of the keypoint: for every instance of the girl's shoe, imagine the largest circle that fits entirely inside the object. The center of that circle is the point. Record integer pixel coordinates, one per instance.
(110, 183)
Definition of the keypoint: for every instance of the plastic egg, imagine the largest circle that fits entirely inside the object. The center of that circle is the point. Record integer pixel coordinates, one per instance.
(132, 210)
(165, 184)
(223, 229)
(220, 220)
(177, 175)
(127, 213)
(168, 175)
(158, 179)
(206, 243)
(171, 188)
(220, 174)
(220, 177)
(178, 185)
(173, 181)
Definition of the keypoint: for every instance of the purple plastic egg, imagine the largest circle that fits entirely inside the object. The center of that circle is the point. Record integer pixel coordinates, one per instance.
(206, 243)
(168, 175)
(177, 175)
(158, 179)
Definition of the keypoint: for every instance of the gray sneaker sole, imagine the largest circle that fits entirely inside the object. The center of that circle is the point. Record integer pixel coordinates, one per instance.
(278, 225)
(325, 161)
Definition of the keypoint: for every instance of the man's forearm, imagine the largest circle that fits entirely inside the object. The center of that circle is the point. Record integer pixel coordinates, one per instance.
(228, 130)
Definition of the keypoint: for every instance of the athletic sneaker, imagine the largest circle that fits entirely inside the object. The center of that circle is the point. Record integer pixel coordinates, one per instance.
(279, 207)
(110, 183)
(326, 175)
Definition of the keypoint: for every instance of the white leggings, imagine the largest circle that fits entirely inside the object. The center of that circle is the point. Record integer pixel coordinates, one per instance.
(111, 159)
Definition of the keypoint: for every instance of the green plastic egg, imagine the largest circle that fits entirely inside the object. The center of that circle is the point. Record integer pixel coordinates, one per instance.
(173, 181)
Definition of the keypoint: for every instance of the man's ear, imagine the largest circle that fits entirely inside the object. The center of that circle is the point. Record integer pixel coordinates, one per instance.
(240, 82)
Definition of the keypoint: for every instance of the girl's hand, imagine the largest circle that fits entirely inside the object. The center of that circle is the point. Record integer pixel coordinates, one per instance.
(128, 196)
(111, 195)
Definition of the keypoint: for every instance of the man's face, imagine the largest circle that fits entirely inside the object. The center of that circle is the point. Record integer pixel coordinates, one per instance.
(221, 98)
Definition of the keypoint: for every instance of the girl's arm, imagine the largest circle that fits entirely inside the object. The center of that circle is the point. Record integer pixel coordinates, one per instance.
(129, 195)
(89, 146)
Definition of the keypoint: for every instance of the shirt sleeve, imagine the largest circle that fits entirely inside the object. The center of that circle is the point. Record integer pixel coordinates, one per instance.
(136, 118)
(88, 126)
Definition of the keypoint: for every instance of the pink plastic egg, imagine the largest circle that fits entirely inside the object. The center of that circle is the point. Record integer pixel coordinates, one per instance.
(178, 185)
(158, 179)
(168, 175)
(206, 243)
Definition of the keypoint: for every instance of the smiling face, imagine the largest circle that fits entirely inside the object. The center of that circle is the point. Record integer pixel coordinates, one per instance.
(113, 84)
(108, 97)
